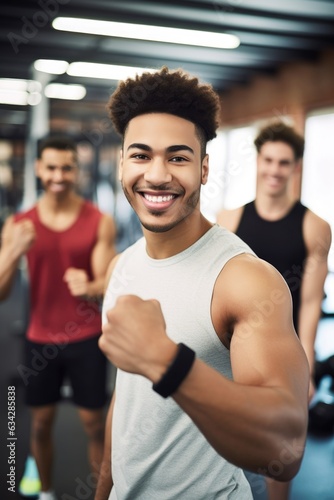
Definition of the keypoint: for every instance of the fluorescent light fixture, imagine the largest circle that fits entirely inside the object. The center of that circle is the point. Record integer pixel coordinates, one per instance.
(34, 98)
(51, 66)
(20, 85)
(108, 71)
(147, 32)
(20, 92)
(19, 97)
(16, 97)
(63, 91)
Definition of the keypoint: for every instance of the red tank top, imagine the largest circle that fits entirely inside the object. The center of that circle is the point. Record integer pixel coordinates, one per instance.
(56, 316)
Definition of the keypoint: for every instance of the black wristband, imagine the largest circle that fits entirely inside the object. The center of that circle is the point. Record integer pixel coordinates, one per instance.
(176, 372)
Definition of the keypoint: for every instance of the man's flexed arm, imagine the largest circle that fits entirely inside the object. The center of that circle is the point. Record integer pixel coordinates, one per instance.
(16, 239)
(104, 250)
(258, 421)
(317, 235)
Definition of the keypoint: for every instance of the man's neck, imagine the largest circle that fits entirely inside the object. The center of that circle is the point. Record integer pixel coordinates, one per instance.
(58, 204)
(176, 240)
(273, 207)
(59, 214)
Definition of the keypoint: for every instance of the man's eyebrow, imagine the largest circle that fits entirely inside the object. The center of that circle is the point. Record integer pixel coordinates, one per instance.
(51, 165)
(138, 145)
(179, 147)
(170, 149)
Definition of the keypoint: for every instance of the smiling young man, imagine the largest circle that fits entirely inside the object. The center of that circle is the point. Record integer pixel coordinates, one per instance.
(69, 244)
(285, 233)
(182, 311)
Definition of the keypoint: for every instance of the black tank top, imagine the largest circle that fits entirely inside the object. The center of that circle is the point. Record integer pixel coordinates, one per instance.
(280, 243)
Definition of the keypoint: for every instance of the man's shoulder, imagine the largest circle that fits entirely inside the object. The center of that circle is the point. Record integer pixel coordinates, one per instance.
(127, 255)
(315, 228)
(93, 212)
(31, 212)
(246, 278)
(230, 218)
(314, 220)
(89, 206)
(231, 211)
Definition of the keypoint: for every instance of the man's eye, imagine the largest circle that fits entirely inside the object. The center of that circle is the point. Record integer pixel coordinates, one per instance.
(139, 156)
(178, 159)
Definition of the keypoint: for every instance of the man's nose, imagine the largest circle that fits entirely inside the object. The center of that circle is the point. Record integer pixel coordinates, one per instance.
(58, 174)
(158, 172)
(275, 168)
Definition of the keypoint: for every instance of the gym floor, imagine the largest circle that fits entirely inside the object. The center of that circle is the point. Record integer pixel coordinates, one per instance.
(72, 477)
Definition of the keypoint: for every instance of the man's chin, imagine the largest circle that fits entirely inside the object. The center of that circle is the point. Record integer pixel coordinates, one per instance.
(158, 225)
(157, 228)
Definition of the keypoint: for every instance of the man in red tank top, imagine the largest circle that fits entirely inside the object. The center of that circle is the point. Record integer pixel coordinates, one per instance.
(68, 244)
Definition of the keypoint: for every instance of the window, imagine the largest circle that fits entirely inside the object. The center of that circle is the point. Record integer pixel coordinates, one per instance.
(318, 168)
(232, 176)
(318, 182)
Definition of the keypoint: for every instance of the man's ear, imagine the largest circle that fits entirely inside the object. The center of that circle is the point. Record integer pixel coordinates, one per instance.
(205, 169)
(298, 167)
(120, 166)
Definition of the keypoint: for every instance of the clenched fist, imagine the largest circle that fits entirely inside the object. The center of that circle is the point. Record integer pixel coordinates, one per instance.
(77, 281)
(18, 236)
(134, 337)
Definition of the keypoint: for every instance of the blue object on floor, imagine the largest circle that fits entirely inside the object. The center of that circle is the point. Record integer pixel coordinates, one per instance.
(30, 484)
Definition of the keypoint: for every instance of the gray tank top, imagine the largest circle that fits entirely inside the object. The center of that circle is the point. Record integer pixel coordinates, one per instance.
(158, 453)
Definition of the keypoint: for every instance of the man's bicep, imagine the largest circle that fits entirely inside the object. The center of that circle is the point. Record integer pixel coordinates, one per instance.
(104, 249)
(265, 349)
(258, 356)
(315, 273)
(317, 235)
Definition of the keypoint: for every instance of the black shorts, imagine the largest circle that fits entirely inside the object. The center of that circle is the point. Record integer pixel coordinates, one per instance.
(48, 365)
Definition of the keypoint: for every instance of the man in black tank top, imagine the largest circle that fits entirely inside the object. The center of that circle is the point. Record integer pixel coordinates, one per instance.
(280, 242)
(288, 235)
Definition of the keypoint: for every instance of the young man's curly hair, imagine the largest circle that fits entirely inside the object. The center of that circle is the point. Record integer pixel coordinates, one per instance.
(174, 92)
(278, 131)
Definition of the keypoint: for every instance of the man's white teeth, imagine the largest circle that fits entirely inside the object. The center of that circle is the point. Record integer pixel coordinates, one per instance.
(158, 199)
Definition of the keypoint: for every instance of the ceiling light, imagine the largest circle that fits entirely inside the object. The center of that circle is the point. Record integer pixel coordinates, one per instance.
(34, 98)
(147, 32)
(51, 66)
(19, 97)
(63, 91)
(108, 71)
(16, 97)
(20, 84)
(19, 92)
